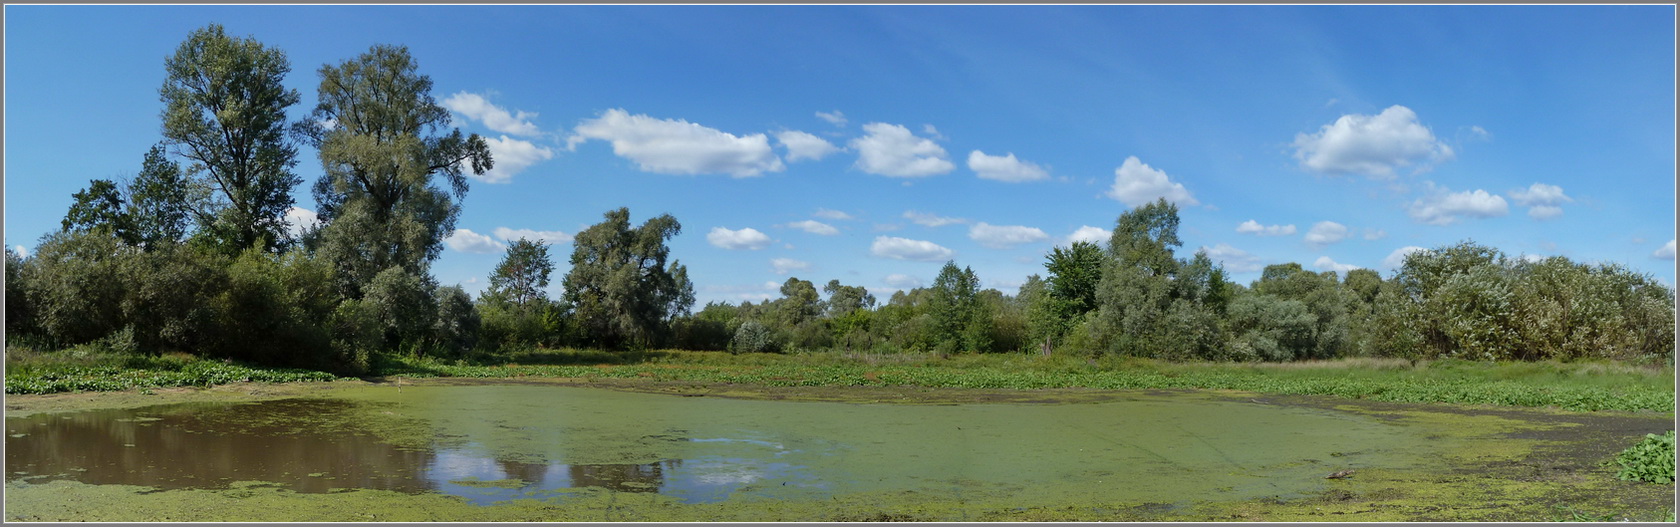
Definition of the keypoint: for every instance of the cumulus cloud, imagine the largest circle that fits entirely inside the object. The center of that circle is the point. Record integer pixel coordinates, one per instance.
(21, 251)
(668, 146)
(1325, 233)
(801, 145)
(1667, 252)
(551, 237)
(786, 265)
(1398, 257)
(1136, 184)
(1446, 208)
(1373, 145)
(1324, 263)
(1087, 233)
(1544, 201)
(477, 108)
(835, 118)
(1233, 259)
(298, 219)
(1005, 168)
(902, 281)
(1005, 236)
(512, 156)
(747, 238)
(1255, 228)
(891, 150)
(907, 249)
(467, 241)
(831, 214)
(931, 220)
(815, 227)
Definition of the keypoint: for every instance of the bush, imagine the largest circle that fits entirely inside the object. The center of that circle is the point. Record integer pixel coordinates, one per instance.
(1651, 460)
(752, 337)
(456, 329)
(75, 286)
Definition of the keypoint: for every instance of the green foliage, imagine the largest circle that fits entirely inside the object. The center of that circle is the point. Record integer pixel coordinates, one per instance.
(1322, 295)
(1073, 276)
(752, 337)
(159, 201)
(75, 285)
(382, 195)
(404, 307)
(456, 328)
(1651, 460)
(959, 319)
(225, 111)
(844, 299)
(1268, 327)
(98, 368)
(620, 286)
(99, 209)
(20, 315)
(522, 275)
(274, 310)
(1144, 238)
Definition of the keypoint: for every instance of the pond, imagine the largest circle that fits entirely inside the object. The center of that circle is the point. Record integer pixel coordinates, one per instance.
(490, 444)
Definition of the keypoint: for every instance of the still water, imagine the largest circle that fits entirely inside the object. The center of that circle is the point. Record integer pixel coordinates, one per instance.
(494, 443)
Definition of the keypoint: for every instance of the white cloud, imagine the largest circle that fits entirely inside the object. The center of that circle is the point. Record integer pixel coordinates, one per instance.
(747, 238)
(760, 291)
(1544, 201)
(1005, 236)
(21, 251)
(831, 214)
(908, 249)
(801, 145)
(815, 227)
(931, 220)
(1667, 252)
(467, 241)
(1373, 145)
(835, 118)
(511, 157)
(477, 108)
(891, 150)
(552, 237)
(1254, 227)
(297, 220)
(1398, 257)
(786, 265)
(1087, 233)
(668, 146)
(1136, 184)
(1532, 258)
(903, 281)
(1375, 234)
(1444, 208)
(1233, 259)
(1005, 168)
(1324, 263)
(1325, 233)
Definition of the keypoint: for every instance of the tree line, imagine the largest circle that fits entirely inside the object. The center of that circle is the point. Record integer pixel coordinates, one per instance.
(194, 254)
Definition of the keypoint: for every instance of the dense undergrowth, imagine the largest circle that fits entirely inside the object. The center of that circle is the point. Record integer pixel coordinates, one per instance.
(1580, 386)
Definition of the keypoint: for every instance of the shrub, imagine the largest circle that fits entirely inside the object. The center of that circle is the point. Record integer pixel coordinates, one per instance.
(1651, 460)
(752, 337)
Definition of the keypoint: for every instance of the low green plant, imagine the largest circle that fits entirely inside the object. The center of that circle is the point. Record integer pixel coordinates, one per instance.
(1651, 460)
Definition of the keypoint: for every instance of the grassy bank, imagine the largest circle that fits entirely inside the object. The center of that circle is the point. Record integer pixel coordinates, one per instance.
(1589, 386)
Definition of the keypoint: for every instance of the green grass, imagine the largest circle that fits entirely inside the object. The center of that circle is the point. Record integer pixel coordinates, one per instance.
(1588, 386)
(89, 368)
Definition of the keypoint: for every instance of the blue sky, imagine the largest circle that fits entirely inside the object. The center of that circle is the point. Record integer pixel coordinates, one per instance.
(870, 144)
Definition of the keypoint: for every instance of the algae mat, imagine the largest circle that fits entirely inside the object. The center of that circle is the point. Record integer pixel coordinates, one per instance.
(484, 451)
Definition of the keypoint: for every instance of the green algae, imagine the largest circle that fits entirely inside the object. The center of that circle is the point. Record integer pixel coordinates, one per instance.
(548, 453)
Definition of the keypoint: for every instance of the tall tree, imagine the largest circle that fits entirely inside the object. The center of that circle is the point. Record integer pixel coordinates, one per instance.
(394, 176)
(1073, 275)
(620, 285)
(799, 303)
(522, 275)
(225, 111)
(98, 209)
(844, 299)
(159, 201)
(1144, 238)
(956, 310)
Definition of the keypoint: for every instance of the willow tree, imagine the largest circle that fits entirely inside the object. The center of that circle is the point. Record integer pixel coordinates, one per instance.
(621, 287)
(394, 170)
(225, 112)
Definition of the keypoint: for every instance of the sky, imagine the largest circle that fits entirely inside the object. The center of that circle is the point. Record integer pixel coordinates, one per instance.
(871, 144)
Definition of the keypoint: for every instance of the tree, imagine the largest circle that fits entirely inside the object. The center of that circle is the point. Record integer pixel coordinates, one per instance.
(1073, 275)
(522, 275)
(385, 153)
(98, 209)
(225, 110)
(159, 201)
(959, 323)
(800, 303)
(844, 299)
(621, 287)
(1144, 238)
(19, 317)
